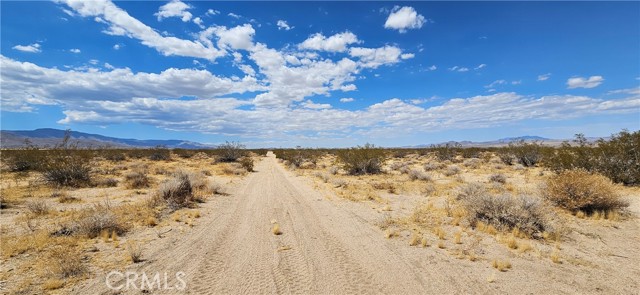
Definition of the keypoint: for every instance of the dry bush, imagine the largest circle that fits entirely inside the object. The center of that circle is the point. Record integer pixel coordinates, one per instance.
(38, 207)
(578, 190)
(233, 169)
(135, 252)
(247, 163)
(177, 191)
(333, 170)
(452, 170)
(137, 179)
(415, 174)
(100, 218)
(473, 163)
(65, 262)
(367, 159)
(67, 168)
(433, 166)
(106, 182)
(498, 178)
(505, 212)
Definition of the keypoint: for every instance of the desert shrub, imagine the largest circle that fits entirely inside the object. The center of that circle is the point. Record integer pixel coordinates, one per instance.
(579, 190)
(367, 159)
(177, 192)
(506, 212)
(100, 218)
(432, 166)
(526, 153)
(297, 157)
(415, 174)
(64, 167)
(499, 178)
(184, 153)
(137, 179)
(447, 151)
(333, 170)
(160, 153)
(506, 156)
(106, 182)
(247, 163)
(38, 207)
(619, 157)
(113, 155)
(231, 151)
(66, 262)
(452, 170)
(472, 163)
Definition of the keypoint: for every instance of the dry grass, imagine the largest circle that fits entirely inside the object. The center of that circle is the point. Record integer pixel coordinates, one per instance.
(134, 252)
(38, 207)
(501, 265)
(276, 229)
(137, 179)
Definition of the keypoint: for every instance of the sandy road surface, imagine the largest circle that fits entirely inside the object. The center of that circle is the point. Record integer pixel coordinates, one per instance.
(323, 248)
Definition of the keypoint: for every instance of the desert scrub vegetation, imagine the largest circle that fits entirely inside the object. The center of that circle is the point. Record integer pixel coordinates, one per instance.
(367, 159)
(579, 190)
(180, 190)
(231, 151)
(300, 158)
(137, 179)
(528, 154)
(617, 158)
(506, 212)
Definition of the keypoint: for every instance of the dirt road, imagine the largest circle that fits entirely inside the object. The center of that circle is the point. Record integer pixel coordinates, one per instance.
(325, 248)
(322, 248)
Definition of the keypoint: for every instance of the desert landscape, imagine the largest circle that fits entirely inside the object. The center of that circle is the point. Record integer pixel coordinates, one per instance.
(319, 147)
(361, 220)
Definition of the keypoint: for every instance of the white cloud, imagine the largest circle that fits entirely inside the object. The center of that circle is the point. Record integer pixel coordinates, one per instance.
(458, 69)
(175, 8)
(580, 82)
(432, 68)
(117, 46)
(212, 12)
(283, 25)
(240, 37)
(94, 61)
(33, 48)
(407, 55)
(518, 82)
(198, 21)
(495, 83)
(375, 57)
(335, 43)
(544, 77)
(404, 18)
(480, 66)
(108, 66)
(316, 106)
(347, 99)
(122, 24)
(236, 16)
(75, 50)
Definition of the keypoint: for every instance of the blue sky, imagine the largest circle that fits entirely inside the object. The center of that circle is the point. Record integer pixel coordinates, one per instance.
(328, 74)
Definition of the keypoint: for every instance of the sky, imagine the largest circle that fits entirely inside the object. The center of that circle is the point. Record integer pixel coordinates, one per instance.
(321, 74)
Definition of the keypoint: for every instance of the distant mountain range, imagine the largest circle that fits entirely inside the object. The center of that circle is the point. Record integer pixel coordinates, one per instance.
(51, 137)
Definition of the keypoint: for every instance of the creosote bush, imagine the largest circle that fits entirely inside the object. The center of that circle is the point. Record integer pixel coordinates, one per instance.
(137, 179)
(367, 159)
(100, 219)
(579, 190)
(505, 212)
(247, 163)
(231, 151)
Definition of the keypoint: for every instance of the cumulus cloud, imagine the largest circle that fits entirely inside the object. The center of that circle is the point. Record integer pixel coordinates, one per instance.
(375, 57)
(75, 50)
(480, 66)
(236, 16)
(580, 82)
(347, 99)
(33, 48)
(198, 21)
(404, 18)
(544, 77)
(175, 8)
(335, 43)
(239, 37)
(122, 24)
(212, 12)
(283, 25)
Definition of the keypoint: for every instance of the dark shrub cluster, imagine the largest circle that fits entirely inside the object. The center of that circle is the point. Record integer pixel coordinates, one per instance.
(231, 151)
(367, 159)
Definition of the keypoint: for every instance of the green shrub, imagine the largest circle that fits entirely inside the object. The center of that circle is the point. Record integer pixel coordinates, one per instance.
(367, 159)
(231, 151)
(526, 153)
